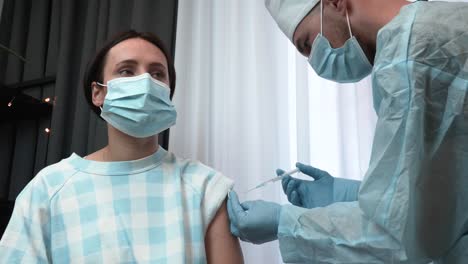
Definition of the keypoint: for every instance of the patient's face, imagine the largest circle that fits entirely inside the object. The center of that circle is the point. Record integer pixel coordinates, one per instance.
(133, 57)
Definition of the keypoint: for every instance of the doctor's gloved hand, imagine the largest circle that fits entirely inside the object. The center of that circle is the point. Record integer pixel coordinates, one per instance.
(324, 190)
(253, 221)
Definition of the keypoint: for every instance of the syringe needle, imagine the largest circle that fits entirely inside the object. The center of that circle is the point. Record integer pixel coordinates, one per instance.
(256, 187)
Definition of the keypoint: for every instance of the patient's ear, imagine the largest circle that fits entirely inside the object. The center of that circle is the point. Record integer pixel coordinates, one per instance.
(98, 94)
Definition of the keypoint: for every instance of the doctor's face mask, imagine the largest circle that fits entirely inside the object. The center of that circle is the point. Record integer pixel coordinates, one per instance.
(344, 65)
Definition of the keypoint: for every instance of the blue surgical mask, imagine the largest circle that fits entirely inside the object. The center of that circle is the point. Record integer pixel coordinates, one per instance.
(344, 65)
(138, 106)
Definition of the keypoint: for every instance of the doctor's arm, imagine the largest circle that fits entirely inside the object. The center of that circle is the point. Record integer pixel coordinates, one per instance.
(220, 245)
(417, 152)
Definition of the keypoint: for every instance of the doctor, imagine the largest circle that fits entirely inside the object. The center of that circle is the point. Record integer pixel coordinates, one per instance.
(412, 206)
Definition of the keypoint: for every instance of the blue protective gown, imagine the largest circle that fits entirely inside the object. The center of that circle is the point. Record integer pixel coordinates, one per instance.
(413, 201)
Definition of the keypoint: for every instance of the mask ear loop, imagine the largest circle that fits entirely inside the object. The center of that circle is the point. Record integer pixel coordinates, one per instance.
(321, 20)
(349, 24)
(321, 17)
(103, 85)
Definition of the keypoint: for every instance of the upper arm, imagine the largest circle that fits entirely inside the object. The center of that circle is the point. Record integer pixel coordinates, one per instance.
(220, 245)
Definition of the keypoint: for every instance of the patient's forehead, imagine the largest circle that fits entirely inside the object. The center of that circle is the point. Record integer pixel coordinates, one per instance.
(136, 49)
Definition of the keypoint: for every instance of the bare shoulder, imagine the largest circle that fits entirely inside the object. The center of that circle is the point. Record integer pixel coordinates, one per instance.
(220, 245)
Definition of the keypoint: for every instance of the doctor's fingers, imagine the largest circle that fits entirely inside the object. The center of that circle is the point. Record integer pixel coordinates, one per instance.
(279, 172)
(231, 214)
(285, 181)
(232, 217)
(248, 205)
(295, 199)
(313, 172)
(234, 206)
(234, 230)
(293, 184)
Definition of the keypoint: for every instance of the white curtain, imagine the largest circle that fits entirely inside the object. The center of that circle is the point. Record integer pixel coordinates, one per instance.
(248, 103)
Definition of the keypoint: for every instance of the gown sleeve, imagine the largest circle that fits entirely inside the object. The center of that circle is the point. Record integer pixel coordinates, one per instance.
(27, 236)
(212, 186)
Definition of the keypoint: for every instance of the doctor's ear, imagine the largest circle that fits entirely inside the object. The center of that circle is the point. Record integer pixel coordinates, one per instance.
(339, 6)
(98, 93)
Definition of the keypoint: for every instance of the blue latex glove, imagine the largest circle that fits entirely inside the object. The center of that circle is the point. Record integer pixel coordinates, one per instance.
(253, 221)
(324, 190)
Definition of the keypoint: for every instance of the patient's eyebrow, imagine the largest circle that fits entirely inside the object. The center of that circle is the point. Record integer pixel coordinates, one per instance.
(126, 62)
(157, 65)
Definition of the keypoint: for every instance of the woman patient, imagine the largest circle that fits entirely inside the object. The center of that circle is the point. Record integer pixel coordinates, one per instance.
(131, 201)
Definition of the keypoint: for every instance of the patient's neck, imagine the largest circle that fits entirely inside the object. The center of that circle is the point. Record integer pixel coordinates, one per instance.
(123, 147)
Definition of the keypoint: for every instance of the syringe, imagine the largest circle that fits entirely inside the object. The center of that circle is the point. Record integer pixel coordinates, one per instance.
(277, 178)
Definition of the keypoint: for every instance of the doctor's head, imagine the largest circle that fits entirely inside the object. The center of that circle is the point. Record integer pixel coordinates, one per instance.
(300, 21)
(337, 36)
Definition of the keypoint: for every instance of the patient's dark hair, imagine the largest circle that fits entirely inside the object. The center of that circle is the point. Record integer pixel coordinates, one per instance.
(94, 70)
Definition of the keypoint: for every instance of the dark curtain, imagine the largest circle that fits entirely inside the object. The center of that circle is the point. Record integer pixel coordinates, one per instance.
(57, 38)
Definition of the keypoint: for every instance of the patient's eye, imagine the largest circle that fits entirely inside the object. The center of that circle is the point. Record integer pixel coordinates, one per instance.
(158, 75)
(126, 72)
(158, 71)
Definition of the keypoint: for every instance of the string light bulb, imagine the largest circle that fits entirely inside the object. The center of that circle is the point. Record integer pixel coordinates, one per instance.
(47, 130)
(47, 99)
(11, 102)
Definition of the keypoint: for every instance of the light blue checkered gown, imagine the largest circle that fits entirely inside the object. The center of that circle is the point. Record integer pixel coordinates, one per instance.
(152, 210)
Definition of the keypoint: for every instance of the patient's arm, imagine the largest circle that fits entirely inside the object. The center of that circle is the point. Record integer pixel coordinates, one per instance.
(220, 245)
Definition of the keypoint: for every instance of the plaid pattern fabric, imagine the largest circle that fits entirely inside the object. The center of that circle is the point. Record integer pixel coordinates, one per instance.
(152, 210)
